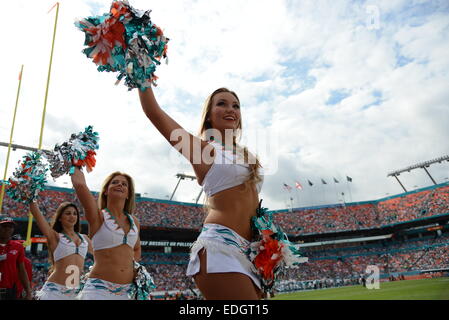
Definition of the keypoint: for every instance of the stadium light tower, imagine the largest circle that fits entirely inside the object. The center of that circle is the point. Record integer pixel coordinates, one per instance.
(422, 165)
(399, 181)
(199, 195)
(181, 176)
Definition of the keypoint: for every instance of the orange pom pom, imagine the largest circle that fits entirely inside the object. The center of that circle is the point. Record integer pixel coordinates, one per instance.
(89, 162)
(268, 258)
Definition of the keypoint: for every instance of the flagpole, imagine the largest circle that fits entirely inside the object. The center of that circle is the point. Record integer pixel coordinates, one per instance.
(10, 139)
(310, 185)
(290, 198)
(297, 196)
(286, 202)
(335, 189)
(30, 216)
(344, 202)
(324, 192)
(349, 188)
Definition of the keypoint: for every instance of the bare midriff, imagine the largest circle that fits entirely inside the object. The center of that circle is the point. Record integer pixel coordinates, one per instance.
(67, 271)
(233, 208)
(114, 264)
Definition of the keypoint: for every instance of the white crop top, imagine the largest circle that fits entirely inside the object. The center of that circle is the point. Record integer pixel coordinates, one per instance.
(111, 235)
(226, 172)
(67, 247)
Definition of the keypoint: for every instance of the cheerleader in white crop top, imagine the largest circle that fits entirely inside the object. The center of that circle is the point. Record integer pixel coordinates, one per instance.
(67, 250)
(227, 171)
(67, 246)
(115, 238)
(110, 235)
(231, 180)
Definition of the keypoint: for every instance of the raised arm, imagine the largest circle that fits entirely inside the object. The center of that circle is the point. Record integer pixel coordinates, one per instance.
(87, 201)
(43, 225)
(191, 147)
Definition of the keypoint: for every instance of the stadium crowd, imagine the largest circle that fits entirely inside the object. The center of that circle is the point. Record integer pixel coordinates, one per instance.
(157, 214)
(323, 271)
(415, 206)
(303, 221)
(329, 219)
(48, 202)
(326, 268)
(333, 265)
(377, 248)
(158, 258)
(363, 216)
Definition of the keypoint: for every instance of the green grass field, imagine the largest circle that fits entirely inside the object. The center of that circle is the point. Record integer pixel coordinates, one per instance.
(426, 289)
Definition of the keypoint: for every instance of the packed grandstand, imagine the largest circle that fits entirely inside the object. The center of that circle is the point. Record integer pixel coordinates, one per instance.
(406, 236)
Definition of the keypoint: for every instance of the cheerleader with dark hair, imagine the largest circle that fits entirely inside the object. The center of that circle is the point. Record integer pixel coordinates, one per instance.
(67, 249)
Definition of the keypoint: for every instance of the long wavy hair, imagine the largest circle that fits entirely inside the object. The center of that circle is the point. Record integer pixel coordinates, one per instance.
(57, 226)
(254, 164)
(130, 203)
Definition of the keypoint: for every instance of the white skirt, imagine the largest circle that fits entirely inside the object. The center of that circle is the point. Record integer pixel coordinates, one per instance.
(98, 289)
(55, 291)
(226, 252)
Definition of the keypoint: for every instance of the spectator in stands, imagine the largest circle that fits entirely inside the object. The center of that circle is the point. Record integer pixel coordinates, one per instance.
(232, 192)
(355, 217)
(66, 248)
(169, 271)
(11, 263)
(302, 221)
(115, 237)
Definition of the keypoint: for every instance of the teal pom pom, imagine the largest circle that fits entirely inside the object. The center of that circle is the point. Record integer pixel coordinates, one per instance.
(78, 151)
(28, 179)
(125, 41)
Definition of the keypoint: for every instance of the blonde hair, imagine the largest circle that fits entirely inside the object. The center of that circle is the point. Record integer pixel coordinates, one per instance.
(254, 164)
(130, 203)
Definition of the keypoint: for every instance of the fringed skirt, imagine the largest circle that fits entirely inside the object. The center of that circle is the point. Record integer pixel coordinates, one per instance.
(98, 289)
(226, 252)
(55, 291)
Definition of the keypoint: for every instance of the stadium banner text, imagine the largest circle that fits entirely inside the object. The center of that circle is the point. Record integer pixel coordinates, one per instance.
(165, 244)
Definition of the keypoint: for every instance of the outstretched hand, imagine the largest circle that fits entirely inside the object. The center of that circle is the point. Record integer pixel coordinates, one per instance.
(78, 177)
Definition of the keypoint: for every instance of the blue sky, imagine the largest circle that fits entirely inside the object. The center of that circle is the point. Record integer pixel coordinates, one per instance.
(354, 88)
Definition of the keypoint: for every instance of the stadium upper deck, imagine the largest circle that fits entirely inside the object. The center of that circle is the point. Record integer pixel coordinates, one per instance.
(411, 206)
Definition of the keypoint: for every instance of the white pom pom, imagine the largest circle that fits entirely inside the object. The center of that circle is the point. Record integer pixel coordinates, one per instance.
(129, 68)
